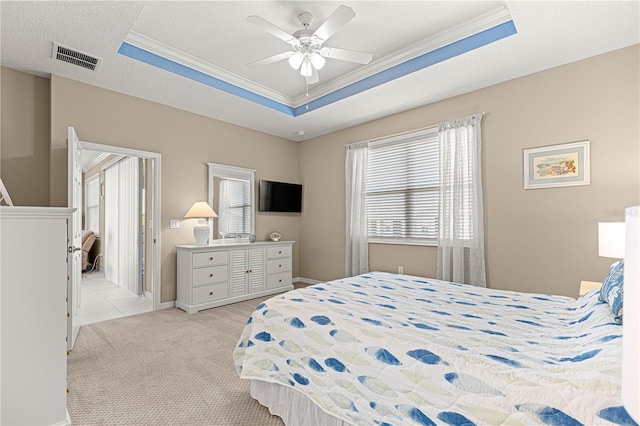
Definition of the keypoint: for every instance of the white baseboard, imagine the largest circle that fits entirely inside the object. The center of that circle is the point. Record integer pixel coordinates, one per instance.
(306, 280)
(148, 295)
(168, 305)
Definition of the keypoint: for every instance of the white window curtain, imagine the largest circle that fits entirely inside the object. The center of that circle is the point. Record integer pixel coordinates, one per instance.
(357, 248)
(461, 230)
(122, 224)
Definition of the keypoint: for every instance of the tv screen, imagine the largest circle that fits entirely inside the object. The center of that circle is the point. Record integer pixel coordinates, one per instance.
(280, 197)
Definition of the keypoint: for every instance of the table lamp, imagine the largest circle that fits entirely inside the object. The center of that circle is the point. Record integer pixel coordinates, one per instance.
(611, 239)
(201, 210)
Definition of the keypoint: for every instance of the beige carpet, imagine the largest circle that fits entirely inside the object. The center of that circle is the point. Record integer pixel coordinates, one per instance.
(163, 368)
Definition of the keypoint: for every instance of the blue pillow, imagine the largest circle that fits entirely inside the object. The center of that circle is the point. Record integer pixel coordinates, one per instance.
(612, 289)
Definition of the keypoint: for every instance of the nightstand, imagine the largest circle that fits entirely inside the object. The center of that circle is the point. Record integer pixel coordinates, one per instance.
(585, 286)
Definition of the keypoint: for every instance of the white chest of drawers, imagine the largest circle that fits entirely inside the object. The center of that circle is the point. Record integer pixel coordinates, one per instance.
(216, 275)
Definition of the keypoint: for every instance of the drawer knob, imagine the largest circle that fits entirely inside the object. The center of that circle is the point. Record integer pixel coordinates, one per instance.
(210, 275)
(279, 281)
(210, 293)
(280, 252)
(279, 266)
(211, 258)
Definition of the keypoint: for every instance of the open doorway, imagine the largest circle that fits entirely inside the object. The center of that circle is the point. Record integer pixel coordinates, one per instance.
(120, 245)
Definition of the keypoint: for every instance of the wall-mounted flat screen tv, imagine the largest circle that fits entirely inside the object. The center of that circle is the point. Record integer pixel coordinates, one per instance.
(280, 197)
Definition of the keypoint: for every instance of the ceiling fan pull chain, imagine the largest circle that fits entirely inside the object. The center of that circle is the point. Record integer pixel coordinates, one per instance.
(307, 105)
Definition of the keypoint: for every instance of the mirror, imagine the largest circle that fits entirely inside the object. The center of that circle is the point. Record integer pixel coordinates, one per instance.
(231, 195)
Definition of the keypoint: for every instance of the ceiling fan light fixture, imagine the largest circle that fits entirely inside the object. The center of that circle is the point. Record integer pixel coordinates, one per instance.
(317, 61)
(296, 60)
(306, 70)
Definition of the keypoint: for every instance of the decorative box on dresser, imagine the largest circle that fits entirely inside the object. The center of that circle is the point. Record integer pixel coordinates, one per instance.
(33, 315)
(220, 274)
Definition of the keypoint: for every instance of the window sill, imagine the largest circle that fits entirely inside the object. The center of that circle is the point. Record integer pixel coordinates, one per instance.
(404, 242)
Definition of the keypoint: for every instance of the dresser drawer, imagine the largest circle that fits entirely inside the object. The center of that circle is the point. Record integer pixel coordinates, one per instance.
(209, 293)
(280, 251)
(209, 275)
(278, 265)
(279, 280)
(209, 258)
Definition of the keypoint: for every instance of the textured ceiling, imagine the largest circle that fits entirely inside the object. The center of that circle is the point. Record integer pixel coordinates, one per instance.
(216, 37)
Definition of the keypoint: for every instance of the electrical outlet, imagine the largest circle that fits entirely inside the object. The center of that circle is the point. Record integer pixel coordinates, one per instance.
(174, 224)
(400, 270)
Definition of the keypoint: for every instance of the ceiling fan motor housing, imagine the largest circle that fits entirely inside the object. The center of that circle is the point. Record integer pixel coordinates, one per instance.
(305, 18)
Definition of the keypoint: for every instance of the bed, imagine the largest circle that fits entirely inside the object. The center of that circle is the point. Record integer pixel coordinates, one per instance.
(392, 349)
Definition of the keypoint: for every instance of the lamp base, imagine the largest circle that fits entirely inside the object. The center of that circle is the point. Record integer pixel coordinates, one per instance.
(201, 233)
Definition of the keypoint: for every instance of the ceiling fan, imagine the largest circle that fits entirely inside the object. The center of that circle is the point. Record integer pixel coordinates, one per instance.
(308, 54)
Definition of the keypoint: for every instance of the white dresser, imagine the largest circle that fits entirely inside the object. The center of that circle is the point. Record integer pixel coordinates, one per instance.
(216, 275)
(33, 315)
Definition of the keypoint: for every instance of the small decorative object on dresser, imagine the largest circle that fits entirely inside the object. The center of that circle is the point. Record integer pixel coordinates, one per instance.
(275, 236)
(252, 238)
(217, 275)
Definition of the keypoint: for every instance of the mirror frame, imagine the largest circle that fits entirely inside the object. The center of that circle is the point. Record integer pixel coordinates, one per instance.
(234, 172)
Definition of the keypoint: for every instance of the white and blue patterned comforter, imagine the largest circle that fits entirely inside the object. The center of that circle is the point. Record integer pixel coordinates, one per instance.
(395, 349)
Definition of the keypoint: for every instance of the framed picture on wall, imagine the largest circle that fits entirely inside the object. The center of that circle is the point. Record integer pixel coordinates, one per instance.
(557, 165)
(4, 195)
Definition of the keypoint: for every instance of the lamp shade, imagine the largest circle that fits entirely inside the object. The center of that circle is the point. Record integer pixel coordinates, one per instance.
(200, 209)
(611, 239)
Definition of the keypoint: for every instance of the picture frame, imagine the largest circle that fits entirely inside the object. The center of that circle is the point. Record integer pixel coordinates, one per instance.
(4, 194)
(557, 165)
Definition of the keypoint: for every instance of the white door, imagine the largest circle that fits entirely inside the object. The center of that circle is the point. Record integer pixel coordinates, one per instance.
(75, 238)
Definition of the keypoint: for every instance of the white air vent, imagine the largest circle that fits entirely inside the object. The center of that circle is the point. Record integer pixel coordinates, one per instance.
(66, 54)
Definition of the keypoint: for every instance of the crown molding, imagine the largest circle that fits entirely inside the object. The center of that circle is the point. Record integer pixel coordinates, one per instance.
(459, 32)
(158, 48)
(481, 23)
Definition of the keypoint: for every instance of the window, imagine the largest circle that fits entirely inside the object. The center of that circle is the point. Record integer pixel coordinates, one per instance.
(403, 189)
(92, 204)
(231, 195)
(235, 206)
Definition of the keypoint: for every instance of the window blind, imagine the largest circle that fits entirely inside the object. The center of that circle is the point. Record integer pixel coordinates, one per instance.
(92, 204)
(403, 188)
(239, 206)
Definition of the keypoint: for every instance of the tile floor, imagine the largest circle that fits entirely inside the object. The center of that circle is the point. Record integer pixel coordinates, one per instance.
(103, 300)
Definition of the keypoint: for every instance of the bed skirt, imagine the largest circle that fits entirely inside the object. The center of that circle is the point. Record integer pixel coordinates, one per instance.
(291, 406)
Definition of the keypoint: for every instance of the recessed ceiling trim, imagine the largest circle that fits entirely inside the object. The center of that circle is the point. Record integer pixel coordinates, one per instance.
(161, 49)
(437, 55)
(158, 61)
(484, 22)
(423, 61)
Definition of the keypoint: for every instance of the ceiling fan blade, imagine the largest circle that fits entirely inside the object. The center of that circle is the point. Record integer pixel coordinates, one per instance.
(271, 59)
(272, 29)
(346, 55)
(337, 20)
(314, 77)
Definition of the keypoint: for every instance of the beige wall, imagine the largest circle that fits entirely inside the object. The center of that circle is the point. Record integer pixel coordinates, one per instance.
(542, 240)
(186, 142)
(24, 137)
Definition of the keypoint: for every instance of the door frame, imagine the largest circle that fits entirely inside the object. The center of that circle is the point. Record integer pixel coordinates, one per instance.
(155, 202)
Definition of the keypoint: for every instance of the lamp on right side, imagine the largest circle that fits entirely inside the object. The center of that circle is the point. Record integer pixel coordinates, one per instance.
(631, 321)
(611, 239)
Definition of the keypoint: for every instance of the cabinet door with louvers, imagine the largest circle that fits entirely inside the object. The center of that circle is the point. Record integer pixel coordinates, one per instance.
(256, 270)
(239, 272)
(247, 271)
